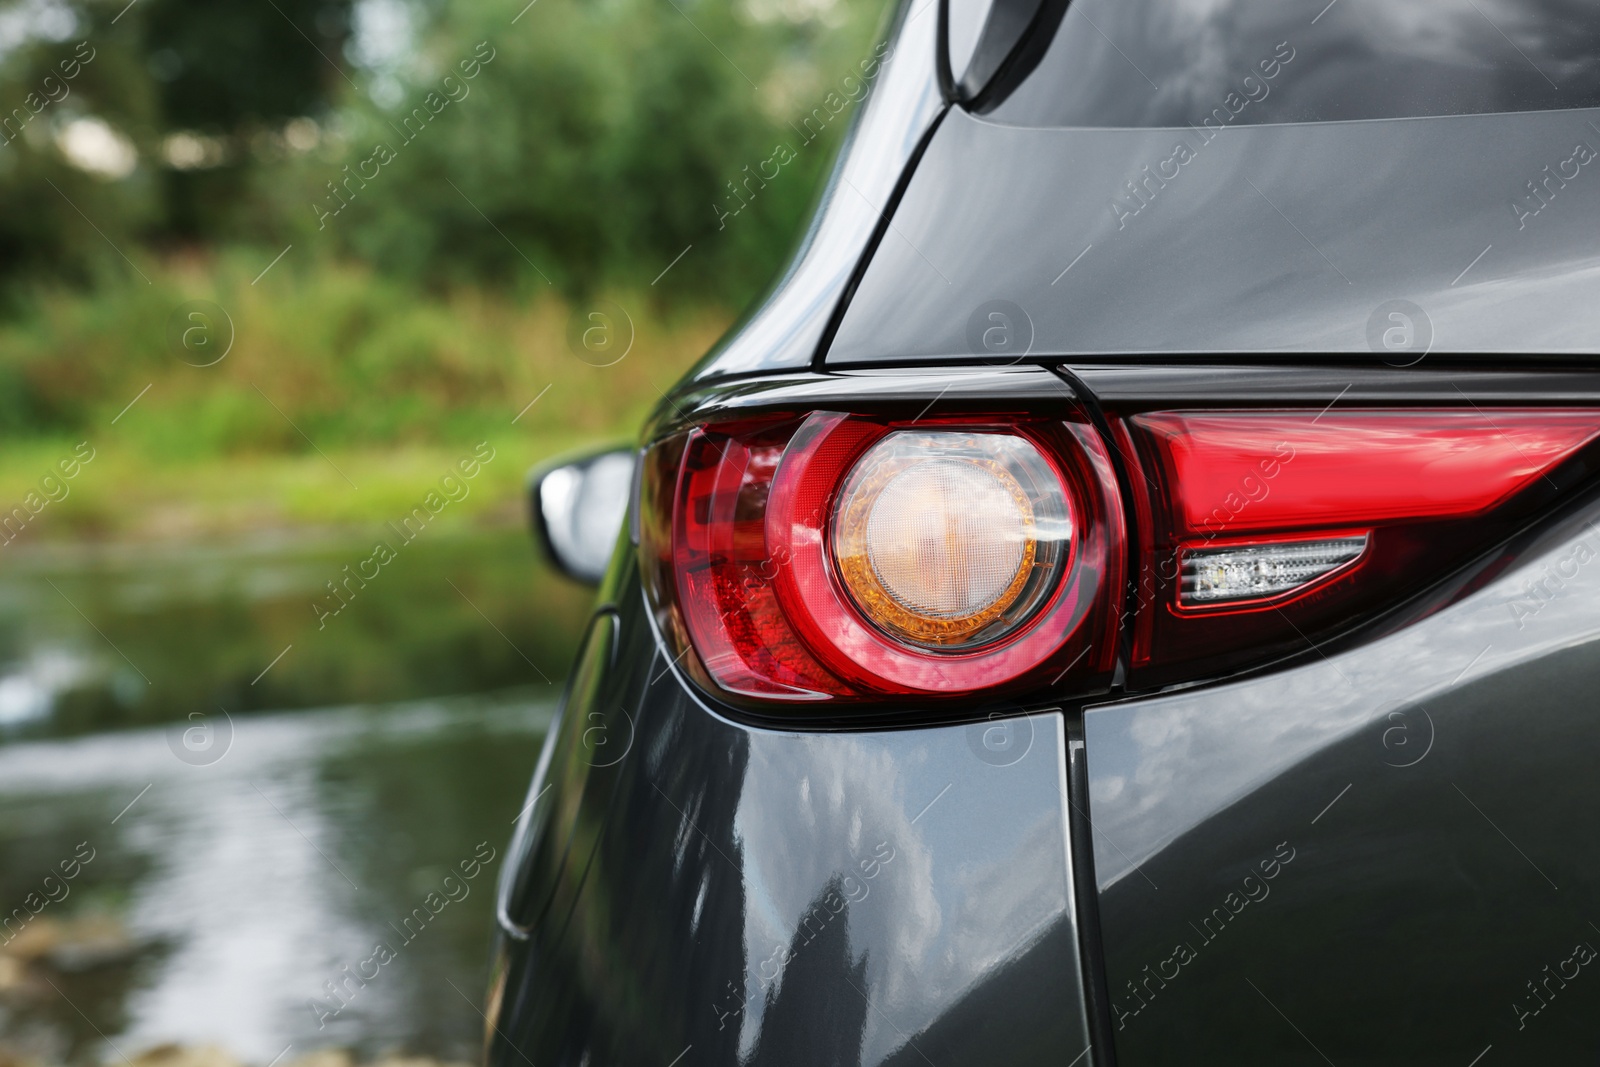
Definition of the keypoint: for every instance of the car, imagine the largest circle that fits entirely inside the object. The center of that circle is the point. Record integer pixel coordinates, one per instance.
(1126, 595)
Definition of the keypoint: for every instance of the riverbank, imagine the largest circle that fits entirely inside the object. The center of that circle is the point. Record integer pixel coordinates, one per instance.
(208, 405)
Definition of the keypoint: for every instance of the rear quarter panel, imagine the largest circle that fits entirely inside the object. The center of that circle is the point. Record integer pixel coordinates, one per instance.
(1384, 856)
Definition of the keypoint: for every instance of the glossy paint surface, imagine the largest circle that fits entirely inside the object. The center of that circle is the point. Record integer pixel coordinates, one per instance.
(786, 328)
(1276, 238)
(1378, 857)
(757, 896)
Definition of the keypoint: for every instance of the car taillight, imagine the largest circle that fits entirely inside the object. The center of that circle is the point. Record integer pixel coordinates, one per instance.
(838, 557)
(1265, 528)
(830, 557)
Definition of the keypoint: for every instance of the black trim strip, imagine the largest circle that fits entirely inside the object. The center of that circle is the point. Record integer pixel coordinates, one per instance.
(1091, 946)
(1021, 57)
(820, 358)
(1232, 384)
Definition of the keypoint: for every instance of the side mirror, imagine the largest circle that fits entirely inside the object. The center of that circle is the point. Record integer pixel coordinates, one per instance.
(578, 509)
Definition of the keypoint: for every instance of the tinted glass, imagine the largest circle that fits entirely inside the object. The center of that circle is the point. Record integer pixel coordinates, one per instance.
(1184, 62)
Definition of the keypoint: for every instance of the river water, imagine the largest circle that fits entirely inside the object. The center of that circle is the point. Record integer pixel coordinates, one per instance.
(233, 845)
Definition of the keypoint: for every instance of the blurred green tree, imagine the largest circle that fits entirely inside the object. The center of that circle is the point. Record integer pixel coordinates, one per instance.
(92, 95)
(602, 140)
(233, 74)
(594, 142)
(57, 219)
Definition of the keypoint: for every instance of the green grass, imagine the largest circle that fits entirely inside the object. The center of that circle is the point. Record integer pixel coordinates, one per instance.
(344, 398)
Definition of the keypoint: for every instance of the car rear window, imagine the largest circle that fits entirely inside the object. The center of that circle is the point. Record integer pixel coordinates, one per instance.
(1164, 63)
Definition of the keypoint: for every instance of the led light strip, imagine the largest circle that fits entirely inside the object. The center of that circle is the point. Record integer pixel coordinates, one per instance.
(1257, 572)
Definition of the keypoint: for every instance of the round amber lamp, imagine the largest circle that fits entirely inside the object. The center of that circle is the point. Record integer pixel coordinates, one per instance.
(949, 539)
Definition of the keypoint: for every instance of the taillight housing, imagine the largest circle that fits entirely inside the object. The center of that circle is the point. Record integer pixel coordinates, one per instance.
(1264, 530)
(816, 558)
(834, 557)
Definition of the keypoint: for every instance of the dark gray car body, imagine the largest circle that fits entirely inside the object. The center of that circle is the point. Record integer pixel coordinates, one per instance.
(1371, 848)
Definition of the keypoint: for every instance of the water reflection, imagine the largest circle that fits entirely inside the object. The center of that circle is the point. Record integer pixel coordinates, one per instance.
(226, 895)
(94, 638)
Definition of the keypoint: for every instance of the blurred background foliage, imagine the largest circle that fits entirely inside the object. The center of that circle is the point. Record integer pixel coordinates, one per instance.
(160, 151)
(399, 206)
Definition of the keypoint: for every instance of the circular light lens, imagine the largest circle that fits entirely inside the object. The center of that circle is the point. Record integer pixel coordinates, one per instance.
(950, 540)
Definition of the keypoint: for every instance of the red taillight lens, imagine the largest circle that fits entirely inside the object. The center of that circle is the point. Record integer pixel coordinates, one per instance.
(1244, 472)
(1269, 526)
(848, 558)
(830, 558)
(724, 572)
